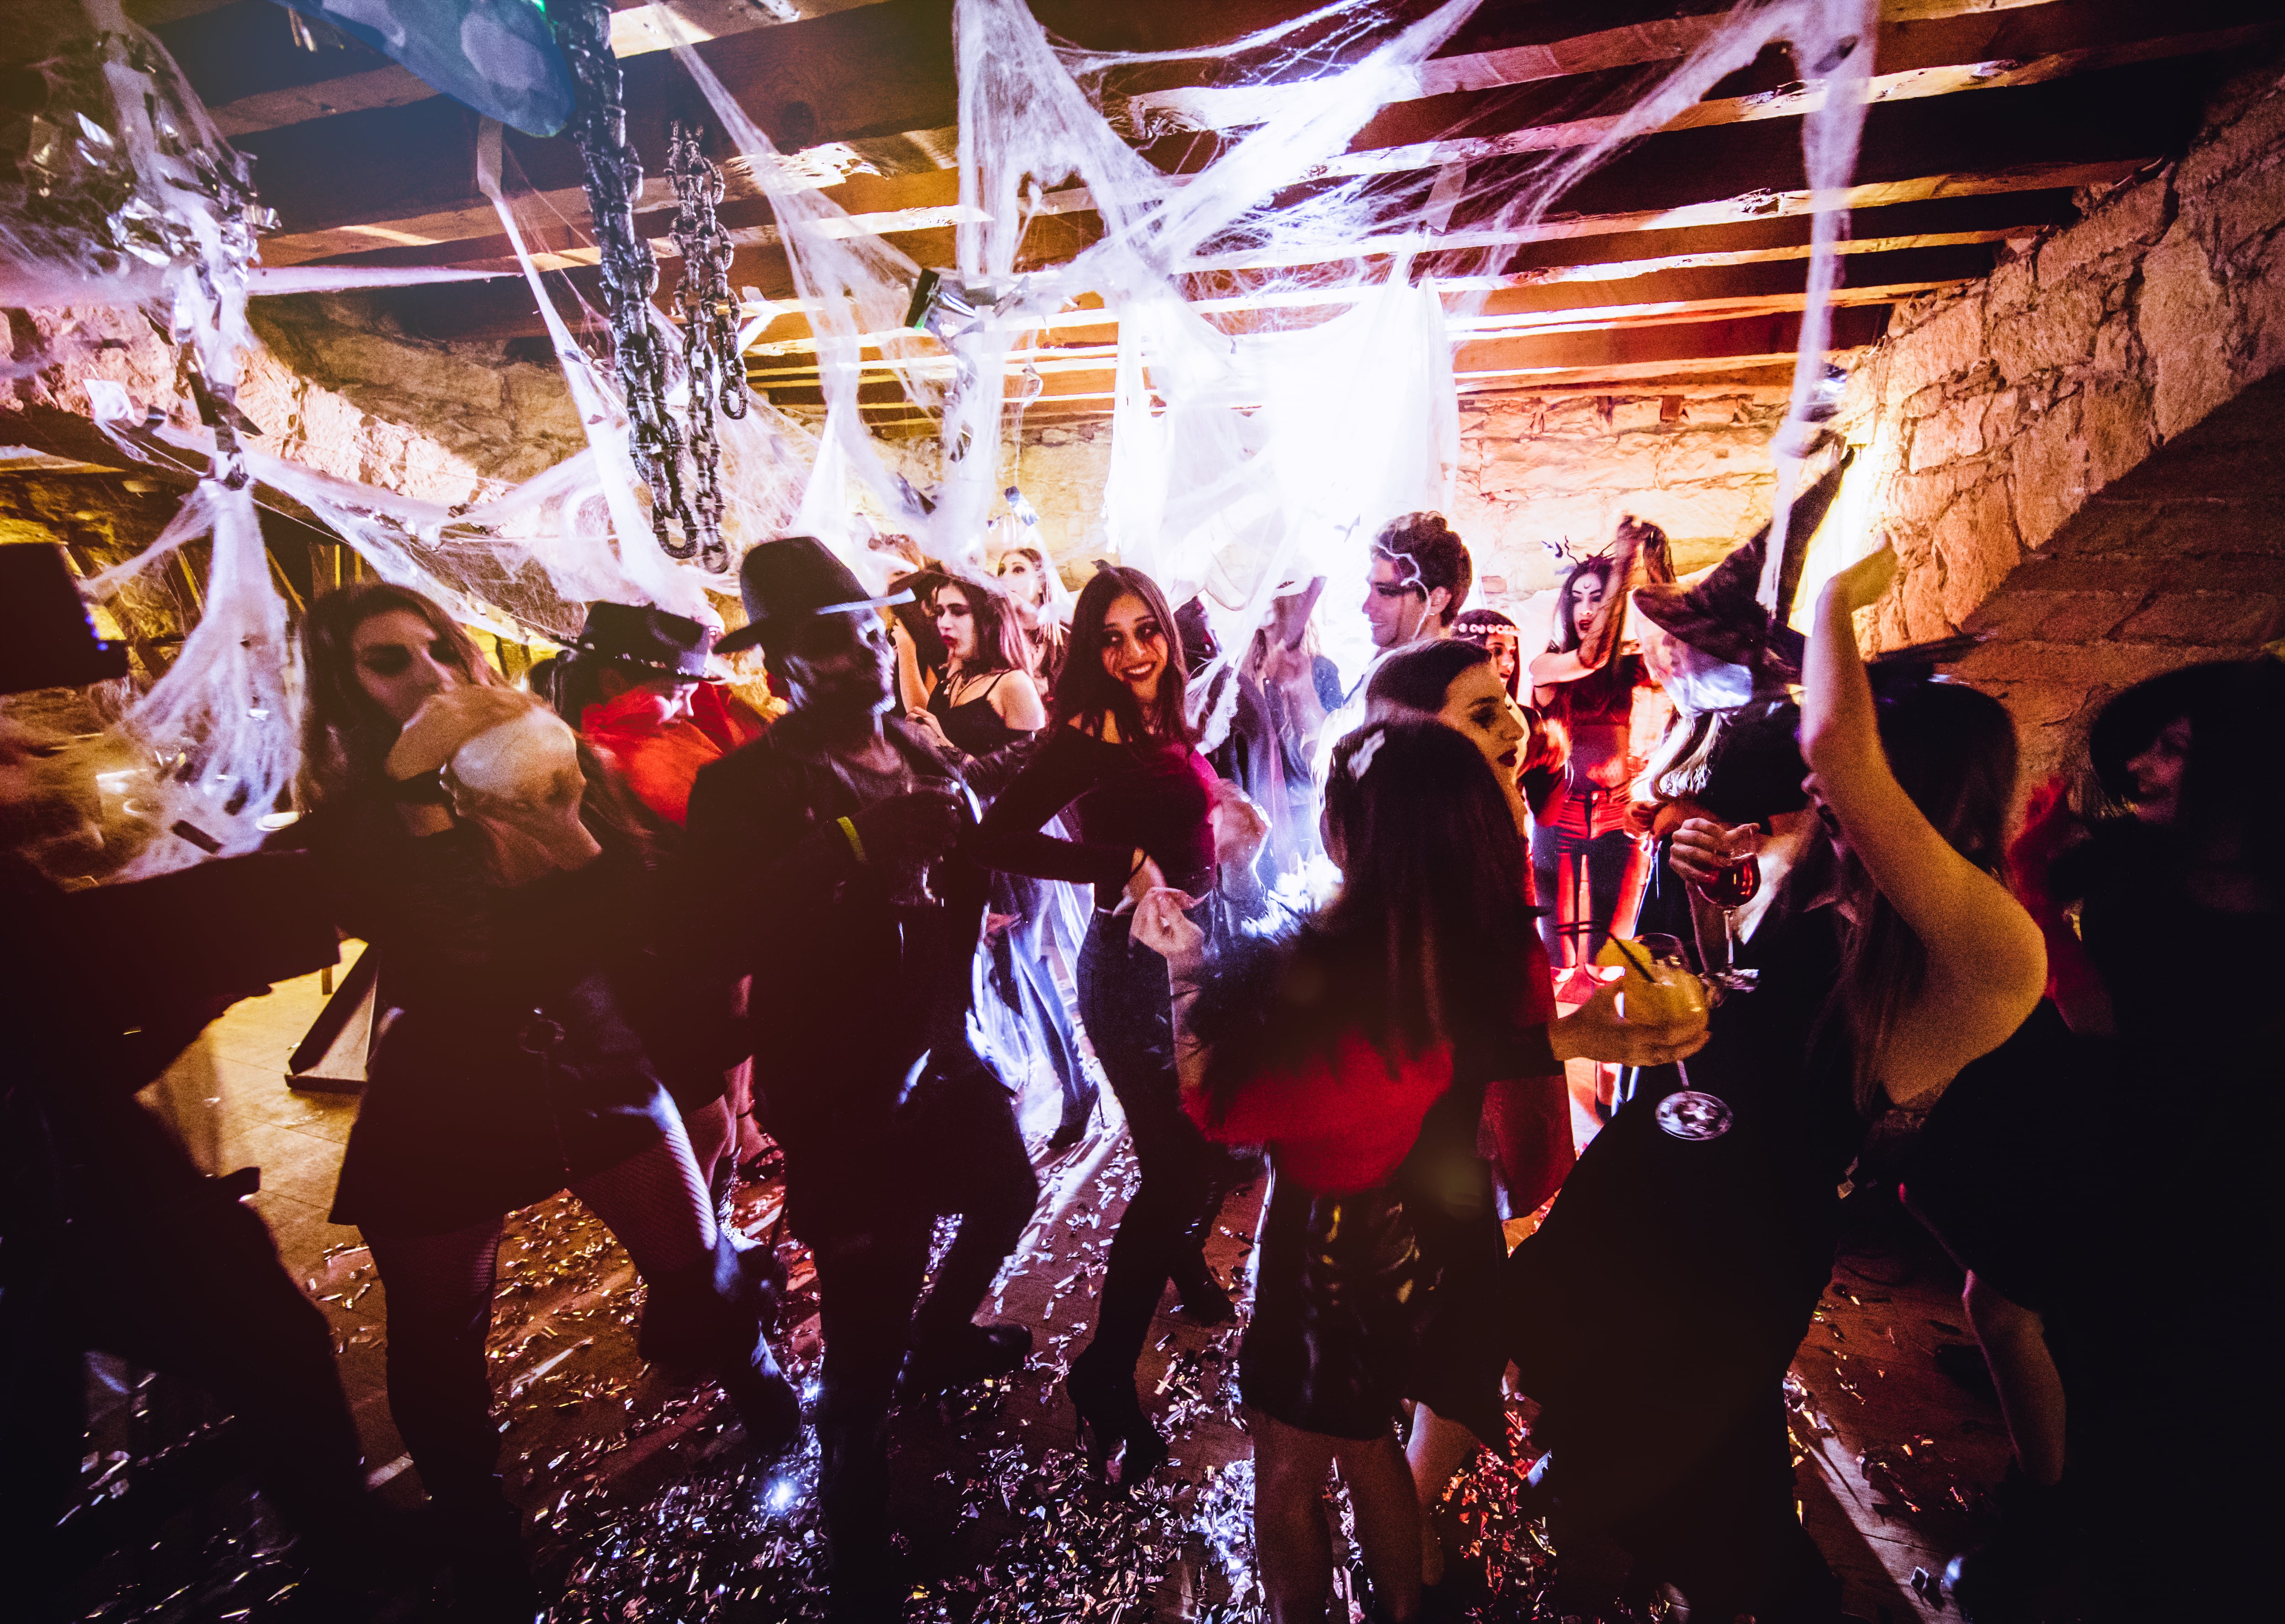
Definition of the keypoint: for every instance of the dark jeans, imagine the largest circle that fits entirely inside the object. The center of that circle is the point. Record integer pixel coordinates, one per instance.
(195, 1292)
(868, 1215)
(1125, 999)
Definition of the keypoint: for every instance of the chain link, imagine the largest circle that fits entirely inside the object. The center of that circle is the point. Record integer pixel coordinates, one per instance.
(716, 377)
(614, 172)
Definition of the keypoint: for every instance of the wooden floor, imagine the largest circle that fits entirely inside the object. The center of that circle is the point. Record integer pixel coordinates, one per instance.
(645, 1505)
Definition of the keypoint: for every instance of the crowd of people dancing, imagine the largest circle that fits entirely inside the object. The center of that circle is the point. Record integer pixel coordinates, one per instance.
(1764, 890)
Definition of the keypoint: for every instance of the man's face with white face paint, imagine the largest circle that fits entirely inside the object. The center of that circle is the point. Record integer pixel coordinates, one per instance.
(1694, 681)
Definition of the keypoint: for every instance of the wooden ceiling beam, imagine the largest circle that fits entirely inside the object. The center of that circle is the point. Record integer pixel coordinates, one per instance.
(862, 73)
(1620, 354)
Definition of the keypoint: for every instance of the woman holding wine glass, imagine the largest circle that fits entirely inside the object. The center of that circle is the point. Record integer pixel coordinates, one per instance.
(1654, 1314)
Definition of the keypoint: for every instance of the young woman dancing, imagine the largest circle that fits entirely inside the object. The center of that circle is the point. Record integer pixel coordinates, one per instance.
(1591, 868)
(985, 701)
(1119, 755)
(1655, 1312)
(465, 839)
(1359, 1051)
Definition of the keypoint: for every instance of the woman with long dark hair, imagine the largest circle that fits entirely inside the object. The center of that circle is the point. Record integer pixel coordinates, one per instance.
(2019, 1170)
(1590, 867)
(1655, 1312)
(984, 698)
(1525, 1127)
(1031, 584)
(983, 703)
(501, 876)
(1118, 754)
(1359, 1050)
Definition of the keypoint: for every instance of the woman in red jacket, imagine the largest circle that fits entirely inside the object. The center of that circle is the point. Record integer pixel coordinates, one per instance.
(1358, 1052)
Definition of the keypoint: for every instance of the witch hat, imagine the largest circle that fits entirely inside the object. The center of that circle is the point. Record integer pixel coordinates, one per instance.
(1720, 615)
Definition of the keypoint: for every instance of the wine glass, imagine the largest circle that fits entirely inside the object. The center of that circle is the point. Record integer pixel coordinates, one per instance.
(1736, 881)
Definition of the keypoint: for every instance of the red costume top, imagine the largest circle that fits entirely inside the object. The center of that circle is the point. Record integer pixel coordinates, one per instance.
(1340, 1123)
(658, 758)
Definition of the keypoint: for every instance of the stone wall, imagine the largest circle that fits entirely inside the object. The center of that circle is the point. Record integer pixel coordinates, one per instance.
(1537, 470)
(2000, 426)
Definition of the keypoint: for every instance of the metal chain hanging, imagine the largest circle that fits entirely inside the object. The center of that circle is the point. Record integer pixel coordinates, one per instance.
(599, 125)
(716, 374)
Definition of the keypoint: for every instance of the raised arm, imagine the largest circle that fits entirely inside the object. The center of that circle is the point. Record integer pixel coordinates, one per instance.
(1987, 965)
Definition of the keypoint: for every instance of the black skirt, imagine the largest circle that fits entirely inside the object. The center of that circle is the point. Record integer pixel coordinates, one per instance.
(471, 1114)
(1338, 1303)
(1363, 1301)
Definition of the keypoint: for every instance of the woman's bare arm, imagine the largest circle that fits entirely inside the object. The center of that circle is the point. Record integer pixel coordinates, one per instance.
(1987, 964)
(1016, 697)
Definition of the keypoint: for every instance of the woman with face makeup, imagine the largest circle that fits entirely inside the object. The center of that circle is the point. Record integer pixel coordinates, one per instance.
(501, 877)
(2019, 1171)
(1119, 755)
(1589, 866)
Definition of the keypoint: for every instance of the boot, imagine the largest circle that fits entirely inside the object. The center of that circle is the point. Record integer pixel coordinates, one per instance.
(1205, 1299)
(714, 1316)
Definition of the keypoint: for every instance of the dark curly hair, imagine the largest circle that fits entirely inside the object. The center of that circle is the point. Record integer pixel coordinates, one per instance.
(1431, 554)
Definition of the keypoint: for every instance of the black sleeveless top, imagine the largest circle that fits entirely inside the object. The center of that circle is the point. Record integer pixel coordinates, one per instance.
(974, 727)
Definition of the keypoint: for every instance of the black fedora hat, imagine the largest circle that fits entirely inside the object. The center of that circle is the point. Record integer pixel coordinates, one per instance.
(47, 640)
(794, 579)
(638, 634)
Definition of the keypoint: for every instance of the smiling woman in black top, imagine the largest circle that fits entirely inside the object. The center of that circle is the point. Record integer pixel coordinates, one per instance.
(1119, 755)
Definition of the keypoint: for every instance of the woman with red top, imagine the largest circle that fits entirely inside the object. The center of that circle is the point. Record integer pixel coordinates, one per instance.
(1525, 1131)
(1117, 753)
(1358, 1052)
(1590, 865)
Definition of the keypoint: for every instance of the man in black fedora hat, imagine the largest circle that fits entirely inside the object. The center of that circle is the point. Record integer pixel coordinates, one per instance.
(110, 1237)
(829, 847)
(633, 683)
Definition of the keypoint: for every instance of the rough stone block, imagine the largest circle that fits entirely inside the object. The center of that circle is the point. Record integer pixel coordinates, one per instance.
(2050, 473)
(2202, 617)
(1950, 341)
(2255, 134)
(2125, 221)
(1950, 434)
(2056, 333)
(2184, 318)
(2009, 288)
(2116, 429)
(1627, 415)
(1913, 501)
(1977, 541)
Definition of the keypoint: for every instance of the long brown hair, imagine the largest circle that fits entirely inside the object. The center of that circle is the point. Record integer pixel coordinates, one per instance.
(346, 737)
(1429, 939)
(1952, 751)
(1000, 642)
(1043, 646)
(1086, 692)
(1614, 677)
